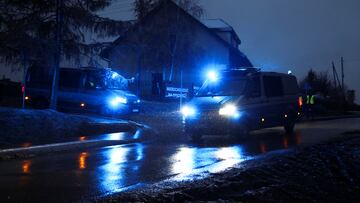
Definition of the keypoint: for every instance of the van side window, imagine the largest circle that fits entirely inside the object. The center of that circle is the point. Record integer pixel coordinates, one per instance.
(38, 77)
(273, 86)
(290, 85)
(253, 88)
(69, 79)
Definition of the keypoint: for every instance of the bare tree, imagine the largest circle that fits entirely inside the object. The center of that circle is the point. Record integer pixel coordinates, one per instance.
(321, 83)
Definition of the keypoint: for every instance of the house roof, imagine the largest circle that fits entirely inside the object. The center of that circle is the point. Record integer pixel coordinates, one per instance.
(216, 24)
(222, 26)
(105, 52)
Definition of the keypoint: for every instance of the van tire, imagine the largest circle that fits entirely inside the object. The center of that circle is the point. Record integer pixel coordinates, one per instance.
(289, 127)
(289, 123)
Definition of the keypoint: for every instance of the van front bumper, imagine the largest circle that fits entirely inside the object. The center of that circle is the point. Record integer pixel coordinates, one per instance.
(214, 125)
(99, 108)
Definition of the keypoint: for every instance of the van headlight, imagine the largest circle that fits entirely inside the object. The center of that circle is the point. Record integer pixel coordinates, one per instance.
(187, 111)
(229, 110)
(118, 100)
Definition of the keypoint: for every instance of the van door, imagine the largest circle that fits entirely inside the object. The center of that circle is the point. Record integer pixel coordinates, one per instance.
(38, 83)
(274, 92)
(253, 103)
(69, 87)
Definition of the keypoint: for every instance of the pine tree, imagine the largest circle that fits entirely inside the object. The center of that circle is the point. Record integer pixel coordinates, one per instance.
(30, 26)
(44, 30)
(143, 7)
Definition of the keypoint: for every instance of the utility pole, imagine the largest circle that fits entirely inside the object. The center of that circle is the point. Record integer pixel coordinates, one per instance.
(24, 80)
(139, 66)
(336, 76)
(342, 74)
(57, 55)
(181, 87)
(343, 84)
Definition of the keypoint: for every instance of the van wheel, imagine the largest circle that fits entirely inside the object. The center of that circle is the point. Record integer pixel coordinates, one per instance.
(289, 127)
(289, 123)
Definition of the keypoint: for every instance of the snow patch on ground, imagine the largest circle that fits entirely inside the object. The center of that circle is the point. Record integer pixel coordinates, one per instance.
(43, 126)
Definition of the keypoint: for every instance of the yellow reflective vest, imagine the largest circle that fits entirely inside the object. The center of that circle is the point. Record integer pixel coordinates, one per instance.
(310, 99)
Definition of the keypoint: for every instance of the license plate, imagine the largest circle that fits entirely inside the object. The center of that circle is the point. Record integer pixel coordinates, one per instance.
(135, 110)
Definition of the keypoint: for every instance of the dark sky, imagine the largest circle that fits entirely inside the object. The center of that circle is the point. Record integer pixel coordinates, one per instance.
(287, 34)
(296, 35)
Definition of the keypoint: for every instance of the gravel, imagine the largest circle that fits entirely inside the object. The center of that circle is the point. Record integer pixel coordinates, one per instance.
(164, 119)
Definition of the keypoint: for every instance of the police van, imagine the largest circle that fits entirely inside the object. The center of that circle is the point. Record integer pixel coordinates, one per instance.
(237, 101)
(84, 89)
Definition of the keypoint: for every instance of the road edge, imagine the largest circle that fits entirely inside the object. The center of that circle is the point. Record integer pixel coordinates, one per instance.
(32, 151)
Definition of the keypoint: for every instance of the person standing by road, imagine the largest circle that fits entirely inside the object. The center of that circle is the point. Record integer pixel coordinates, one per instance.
(309, 105)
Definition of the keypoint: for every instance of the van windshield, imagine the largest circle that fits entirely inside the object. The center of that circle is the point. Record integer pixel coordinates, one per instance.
(116, 81)
(223, 87)
(105, 80)
(94, 80)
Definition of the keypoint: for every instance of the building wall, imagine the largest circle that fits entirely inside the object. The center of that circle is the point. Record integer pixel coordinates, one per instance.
(198, 49)
(12, 72)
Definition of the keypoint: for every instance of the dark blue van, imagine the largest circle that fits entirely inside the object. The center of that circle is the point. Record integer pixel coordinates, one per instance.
(82, 89)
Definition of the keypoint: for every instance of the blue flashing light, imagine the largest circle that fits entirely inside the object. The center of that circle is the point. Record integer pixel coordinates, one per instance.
(289, 72)
(212, 76)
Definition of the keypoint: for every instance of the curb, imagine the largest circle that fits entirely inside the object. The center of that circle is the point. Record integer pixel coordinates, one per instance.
(22, 152)
(328, 118)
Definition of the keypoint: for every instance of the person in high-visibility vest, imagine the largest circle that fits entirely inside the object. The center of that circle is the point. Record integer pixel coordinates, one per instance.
(310, 99)
(310, 102)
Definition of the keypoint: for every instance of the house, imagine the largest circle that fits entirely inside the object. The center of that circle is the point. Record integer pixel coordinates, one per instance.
(172, 48)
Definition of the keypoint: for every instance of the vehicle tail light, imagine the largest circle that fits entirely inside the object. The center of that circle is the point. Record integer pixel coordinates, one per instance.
(300, 101)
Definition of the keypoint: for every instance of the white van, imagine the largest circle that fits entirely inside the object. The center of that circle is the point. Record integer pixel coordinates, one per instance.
(240, 100)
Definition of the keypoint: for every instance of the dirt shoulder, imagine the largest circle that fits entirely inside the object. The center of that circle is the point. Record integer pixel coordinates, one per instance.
(19, 126)
(328, 172)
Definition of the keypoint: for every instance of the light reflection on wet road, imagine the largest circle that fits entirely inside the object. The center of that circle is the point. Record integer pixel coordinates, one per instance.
(77, 176)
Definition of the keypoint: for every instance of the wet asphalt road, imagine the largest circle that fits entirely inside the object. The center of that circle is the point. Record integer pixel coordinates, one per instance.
(80, 176)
